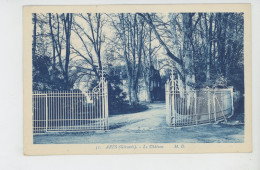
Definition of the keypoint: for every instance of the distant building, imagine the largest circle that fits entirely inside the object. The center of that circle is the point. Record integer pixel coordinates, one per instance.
(156, 89)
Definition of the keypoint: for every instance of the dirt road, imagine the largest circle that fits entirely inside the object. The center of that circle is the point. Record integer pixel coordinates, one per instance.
(148, 127)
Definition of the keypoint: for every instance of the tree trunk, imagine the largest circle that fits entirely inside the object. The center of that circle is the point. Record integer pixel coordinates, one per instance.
(125, 47)
(146, 68)
(207, 46)
(34, 35)
(173, 22)
(53, 48)
(67, 27)
(187, 50)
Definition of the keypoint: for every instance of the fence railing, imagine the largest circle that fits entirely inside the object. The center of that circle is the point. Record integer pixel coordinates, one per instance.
(71, 110)
(194, 107)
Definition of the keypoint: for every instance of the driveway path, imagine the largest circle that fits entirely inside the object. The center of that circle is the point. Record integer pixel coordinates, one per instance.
(151, 119)
(148, 127)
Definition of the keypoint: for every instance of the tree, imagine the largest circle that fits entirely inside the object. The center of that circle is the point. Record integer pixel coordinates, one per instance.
(129, 31)
(203, 49)
(91, 37)
(186, 72)
(34, 35)
(53, 47)
(187, 50)
(150, 49)
(67, 22)
(149, 20)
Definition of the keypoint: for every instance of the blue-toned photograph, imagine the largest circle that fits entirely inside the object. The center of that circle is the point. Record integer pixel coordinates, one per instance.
(115, 78)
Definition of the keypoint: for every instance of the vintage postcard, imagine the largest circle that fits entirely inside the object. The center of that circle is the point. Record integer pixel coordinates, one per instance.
(116, 79)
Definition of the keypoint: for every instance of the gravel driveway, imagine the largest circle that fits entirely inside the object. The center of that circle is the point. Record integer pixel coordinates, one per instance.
(148, 127)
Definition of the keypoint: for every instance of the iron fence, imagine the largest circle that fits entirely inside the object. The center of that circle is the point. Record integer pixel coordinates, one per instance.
(194, 107)
(71, 110)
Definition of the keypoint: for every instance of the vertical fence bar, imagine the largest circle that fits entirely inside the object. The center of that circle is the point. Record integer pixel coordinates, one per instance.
(190, 118)
(92, 109)
(103, 105)
(175, 103)
(222, 101)
(106, 103)
(96, 112)
(232, 101)
(56, 95)
(178, 109)
(62, 110)
(78, 111)
(71, 109)
(87, 111)
(172, 94)
(41, 112)
(51, 111)
(38, 112)
(81, 111)
(75, 110)
(99, 107)
(84, 104)
(175, 107)
(74, 107)
(208, 98)
(65, 111)
(183, 109)
(46, 98)
(192, 108)
(35, 116)
(75, 113)
(214, 106)
(40, 115)
(166, 101)
(170, 101)
(93, 112)
(195, 107)
(33, 112)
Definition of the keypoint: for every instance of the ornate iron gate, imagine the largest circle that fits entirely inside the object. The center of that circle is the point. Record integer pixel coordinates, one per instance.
(71, 110)
(194, 107)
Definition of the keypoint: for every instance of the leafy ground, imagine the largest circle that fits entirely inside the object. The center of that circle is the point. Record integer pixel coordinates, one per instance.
(149, 127)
